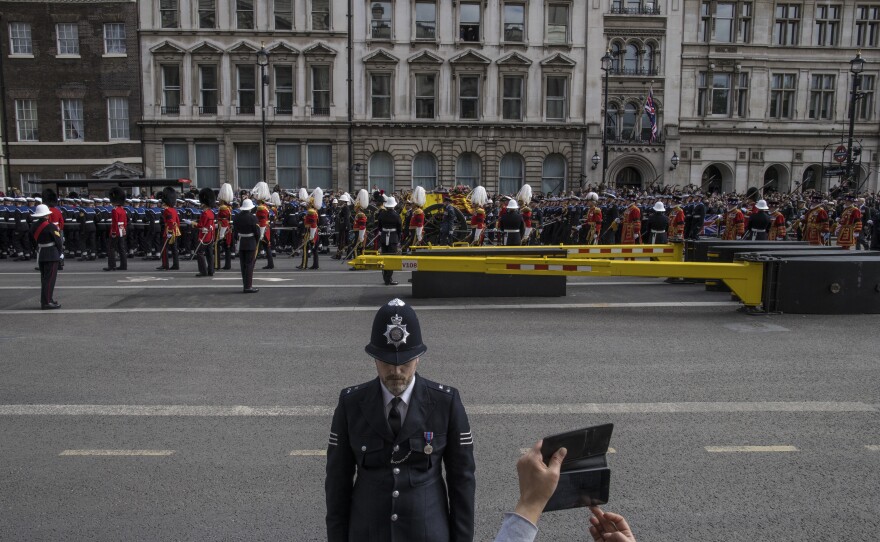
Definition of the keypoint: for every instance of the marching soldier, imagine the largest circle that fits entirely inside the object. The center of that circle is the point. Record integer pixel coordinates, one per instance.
(49, 255)
(246, 234)
(205, 229)
(118, 226)
(760, 221)
(224, 222)
(21, 225)
(591, 229)
(816, 225)
(734, 221)
(417, 218)
(524, 197)
(391, 442)
(362, 202)
(478, 198)
(631, 223)
(511, 225)
(677, 220)
(849, 224)
(170, 229)
(610, 222)
(390, 227)
(777, 222)
(310, 225)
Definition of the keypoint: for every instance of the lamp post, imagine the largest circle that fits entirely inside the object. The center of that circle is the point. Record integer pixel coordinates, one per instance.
(856, 66)
(606, 67)
(674, 161)
(263, 62)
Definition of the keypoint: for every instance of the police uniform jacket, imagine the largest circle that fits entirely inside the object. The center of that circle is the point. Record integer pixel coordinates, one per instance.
(382, 488)
(512, 226)
(247, 232)
(48, 241)
(759, 223)
(388, 221)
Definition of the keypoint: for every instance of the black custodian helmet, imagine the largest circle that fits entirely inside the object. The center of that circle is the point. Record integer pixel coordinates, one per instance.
(396, 338)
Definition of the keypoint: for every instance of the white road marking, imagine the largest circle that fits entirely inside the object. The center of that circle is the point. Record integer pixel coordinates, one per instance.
(489, 410)
(873, 447)
(119, 453)
(309, 453)
(266, 310)
(138, 286)
(750, 449)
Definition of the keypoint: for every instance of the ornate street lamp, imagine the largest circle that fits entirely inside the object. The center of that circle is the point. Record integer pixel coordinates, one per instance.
(674, 161)
(856, 67)
(606, 67)
(263, 63)
(595, 159)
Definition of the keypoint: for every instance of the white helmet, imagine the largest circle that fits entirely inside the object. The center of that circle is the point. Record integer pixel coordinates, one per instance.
(390, 202)
(512, 205)
(762, 205)
(247, 204)
(40, 211)
(225, 194)
(525, 194)
(478, 196)
(659, 207)
(418, 196)
(261, 191)
(363, 199)
(317, 198)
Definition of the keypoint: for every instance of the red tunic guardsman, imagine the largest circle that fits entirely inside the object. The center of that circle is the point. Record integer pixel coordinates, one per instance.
(631, 223)
(171, 229)
(676, 221)
(362, 202)
(417, 219)
(849, 224)
(118, 227)
(310, 224)
(778, 230)
(478, 198)
(50, 199)
(261, 194)
(205, 249)
(223, 239)
(734, 221)
(592, 220)
(524, 196)
(816, 225)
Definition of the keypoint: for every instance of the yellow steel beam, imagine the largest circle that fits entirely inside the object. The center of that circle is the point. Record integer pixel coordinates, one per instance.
(672, 252)
(745, 279)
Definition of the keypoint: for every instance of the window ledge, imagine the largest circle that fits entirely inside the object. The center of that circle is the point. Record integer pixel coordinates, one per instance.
(67, 56)
(74, 141)
(462, 43)
(566, 45)
(114, 55)
(387, 41)
(21, 55)
(424, 41)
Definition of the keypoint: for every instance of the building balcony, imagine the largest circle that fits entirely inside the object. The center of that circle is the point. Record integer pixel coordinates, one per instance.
(644, 9)
(207, 110)
(635, 71)
(170, 110)
(245, 110)
(320, 111)
(634, 141)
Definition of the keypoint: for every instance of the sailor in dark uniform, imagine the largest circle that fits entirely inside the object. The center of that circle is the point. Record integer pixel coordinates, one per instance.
(698, 218)
(390, 228)
(759, 223)
(658, 225)
(247, 233)
(390, 441)
(512, 225)
(49, 254)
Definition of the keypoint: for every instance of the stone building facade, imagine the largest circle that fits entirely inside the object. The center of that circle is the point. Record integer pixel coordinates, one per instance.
(71, 100)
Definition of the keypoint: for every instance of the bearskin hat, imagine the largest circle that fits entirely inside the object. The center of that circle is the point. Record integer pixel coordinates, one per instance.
(117, 196)
(168, 196)
(50, 197)
(207, 197)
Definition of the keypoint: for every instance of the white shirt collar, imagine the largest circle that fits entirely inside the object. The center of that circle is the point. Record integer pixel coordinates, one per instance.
(387, 396)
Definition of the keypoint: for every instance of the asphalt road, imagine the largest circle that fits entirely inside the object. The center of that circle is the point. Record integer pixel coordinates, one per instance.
(226, 400)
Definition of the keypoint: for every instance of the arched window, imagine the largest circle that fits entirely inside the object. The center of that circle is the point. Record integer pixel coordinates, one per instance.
(553, 176)
(611, 122)
(631, 60)
(467, 169)
(627, 130)
(424, 171)
(648, 60)
(615, 57)
(510, 177)
(382, 172)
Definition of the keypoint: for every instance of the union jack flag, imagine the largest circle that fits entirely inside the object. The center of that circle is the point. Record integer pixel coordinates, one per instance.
(652, 113)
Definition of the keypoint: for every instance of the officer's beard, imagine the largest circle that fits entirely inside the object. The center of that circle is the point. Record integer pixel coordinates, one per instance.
(396, 384)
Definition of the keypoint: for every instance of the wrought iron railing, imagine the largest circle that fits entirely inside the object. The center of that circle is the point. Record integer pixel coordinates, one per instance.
(635, 71)
(645, 9)
(170, 110)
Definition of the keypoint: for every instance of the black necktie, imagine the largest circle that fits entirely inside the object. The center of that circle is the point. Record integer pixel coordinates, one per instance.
(394, 416)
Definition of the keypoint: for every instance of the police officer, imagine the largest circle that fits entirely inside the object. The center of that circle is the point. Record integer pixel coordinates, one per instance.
(247, 233)
(390, 440)
(49, 254)
(390, 228)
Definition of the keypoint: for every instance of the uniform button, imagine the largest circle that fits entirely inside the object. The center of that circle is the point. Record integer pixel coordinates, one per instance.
(393, 517)
(396, 447)
(395, 494)
(363, 448)
(396, 470)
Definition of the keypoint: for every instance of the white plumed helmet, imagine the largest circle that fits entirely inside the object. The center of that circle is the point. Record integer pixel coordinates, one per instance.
(275, 199)
(363, 199)
(261, 191)
(225, 195)
(317, 198)
(525, 194)
(418, 196)
(478, 196)
(303, 194)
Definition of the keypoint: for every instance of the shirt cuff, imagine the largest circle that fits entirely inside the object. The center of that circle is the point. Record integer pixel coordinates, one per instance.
(516, 528)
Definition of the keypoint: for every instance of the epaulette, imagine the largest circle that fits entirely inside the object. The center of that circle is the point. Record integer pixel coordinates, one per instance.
(418, 211)
(223, 208)
(352, 390)
(312, 211)
(440, 388)
(480, 210)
